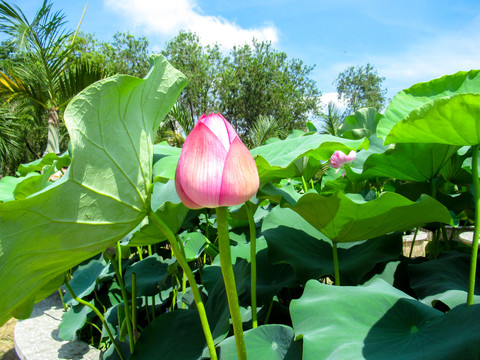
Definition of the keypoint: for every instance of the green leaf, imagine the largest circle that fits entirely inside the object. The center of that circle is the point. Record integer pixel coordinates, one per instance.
(444, 279)
(32, 184)
(174, 335)
(151, 276)
(266, 342)
(277, 160)
(72, 321)
(168, 206)
(363, 123)
(8, 185)
(84, 279)
(380, 322)
(344, 219)
(61, 161)
(112, 125)
(195, 243)
(444, 110)
(165, 160)
(409, 162)
(294, 241)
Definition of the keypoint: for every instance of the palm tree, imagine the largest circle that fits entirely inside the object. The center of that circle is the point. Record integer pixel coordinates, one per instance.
(262, 129)
(45, 79)
(332, 120)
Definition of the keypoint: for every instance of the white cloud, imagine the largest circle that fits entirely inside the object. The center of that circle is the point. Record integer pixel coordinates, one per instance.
(332, 97)
(167, 18)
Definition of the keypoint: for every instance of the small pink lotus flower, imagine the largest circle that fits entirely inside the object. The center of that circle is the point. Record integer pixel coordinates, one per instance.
(338, 160)
(215, 167)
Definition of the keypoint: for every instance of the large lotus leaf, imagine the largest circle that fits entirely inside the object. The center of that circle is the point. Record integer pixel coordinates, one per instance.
(444, 279)
(174, 335)
(84, 279)
(61, 161)
(428, 98)
(266, 342)
(452, 120)
(73, 320)
(277, 160)
(409, 162)
(112, 125)
(378, 322)
(151, 276)
(8, 185)
(165, 160)
(270, 278)
(363, 123)
(344, 218)
(294, 241)
(32, 184)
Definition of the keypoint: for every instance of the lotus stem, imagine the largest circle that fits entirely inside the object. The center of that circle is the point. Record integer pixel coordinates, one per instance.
(134, 305)
(128, 319)
(253, 262)
(413, 243)
(100, 316)
(473, 258)
(191, 279)
(335, 263)
(229, 279)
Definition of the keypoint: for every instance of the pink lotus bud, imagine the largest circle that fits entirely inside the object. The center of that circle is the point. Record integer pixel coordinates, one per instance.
(339, 159)
(215, 168)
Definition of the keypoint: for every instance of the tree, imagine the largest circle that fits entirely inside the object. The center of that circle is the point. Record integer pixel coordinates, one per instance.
(253, 81)
(127, 55)
(256, 80)
(361, 87)
(45, 79)
(200, 64)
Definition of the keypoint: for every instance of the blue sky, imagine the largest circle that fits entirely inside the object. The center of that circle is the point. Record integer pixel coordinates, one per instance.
(406, 41)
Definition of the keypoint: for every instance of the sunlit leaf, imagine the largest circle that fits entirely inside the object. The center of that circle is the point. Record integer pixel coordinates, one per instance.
(380, 322)
(444, 110)
(112, 125)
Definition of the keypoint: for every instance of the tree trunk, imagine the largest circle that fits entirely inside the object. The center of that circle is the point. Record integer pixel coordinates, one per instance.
(53, 143)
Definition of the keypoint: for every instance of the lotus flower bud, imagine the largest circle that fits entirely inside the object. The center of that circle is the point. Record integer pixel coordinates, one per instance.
(110, 254)
(215, 167)
(338, 160)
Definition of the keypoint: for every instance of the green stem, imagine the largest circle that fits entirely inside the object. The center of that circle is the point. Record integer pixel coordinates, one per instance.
(335, 264)
(154, 308)
(100, 316)
(140, 252)
(125, 304)
(229, 279)
(65, 307)
(305, 187)
(134, 305)
(473, 258)
(147, 310)
(253, 264)
(269, 311)
(191, 279)
(184, 287)
(413, 242)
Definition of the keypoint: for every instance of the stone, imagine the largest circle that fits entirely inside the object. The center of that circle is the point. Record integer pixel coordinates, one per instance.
(37, 338)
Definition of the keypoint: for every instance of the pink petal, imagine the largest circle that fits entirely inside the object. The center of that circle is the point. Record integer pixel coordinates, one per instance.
(240, 176)
(350, 157)
(181, 194)
(221, 128)
(200, 168)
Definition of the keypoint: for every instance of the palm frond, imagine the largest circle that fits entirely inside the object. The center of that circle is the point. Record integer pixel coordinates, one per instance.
(331, 120)
(264, 128)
